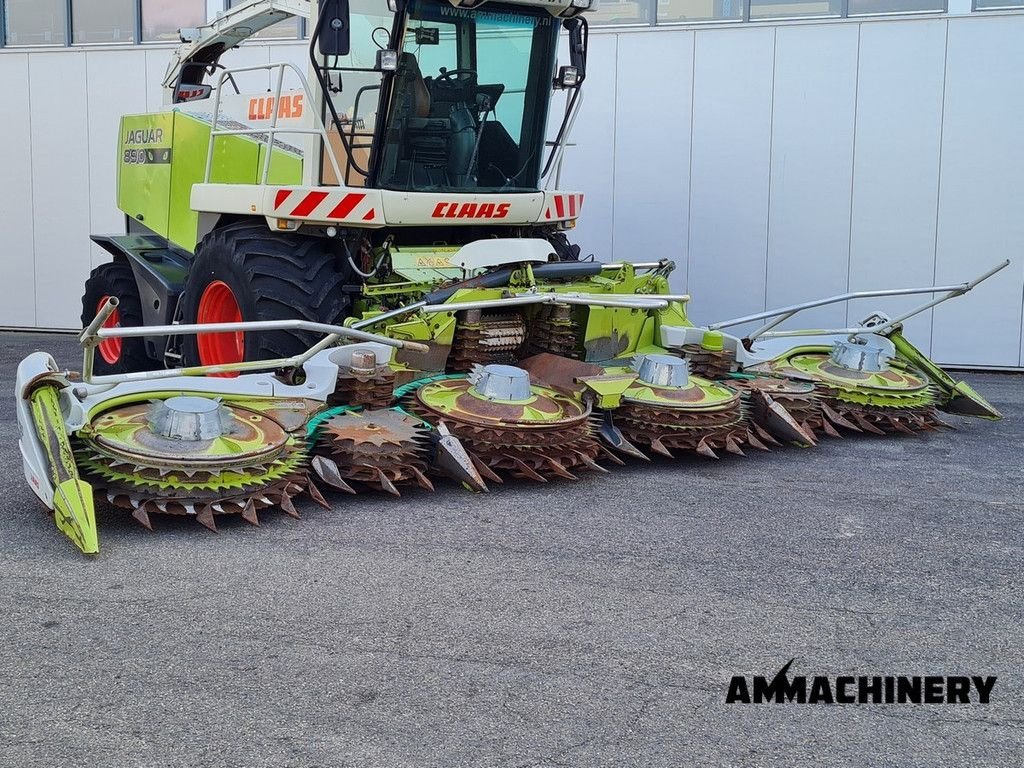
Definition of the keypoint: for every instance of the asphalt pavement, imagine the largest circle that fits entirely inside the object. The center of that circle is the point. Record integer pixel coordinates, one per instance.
(595, 623)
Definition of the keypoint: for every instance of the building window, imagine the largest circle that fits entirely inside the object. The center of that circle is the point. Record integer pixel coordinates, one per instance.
(103, 21)
(621, 12)
(997, 5)
(676, 11)
(161, 19)
(868, 7)
(35, 22)
(45, 22)
(284, 30)
(780, 9)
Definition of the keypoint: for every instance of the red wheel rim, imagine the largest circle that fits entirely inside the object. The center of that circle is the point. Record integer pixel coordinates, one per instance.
(219, 305)
(110, 349)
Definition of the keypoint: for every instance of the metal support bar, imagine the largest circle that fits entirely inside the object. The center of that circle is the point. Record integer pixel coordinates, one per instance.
(951, 290)
(258, 131)
(652, 302)
(257, 325)
(202, 370)
(389, 315)
(684, 297)
(817, 332)
(332, 339)
(517, 301)
(89, 332)
(771, 324)
(796, 308)
(951, 295)
(595, 301)
(87, 338)
(275, 110)
(634, 265)
(95, 333)
(526, 299)
(561, 148)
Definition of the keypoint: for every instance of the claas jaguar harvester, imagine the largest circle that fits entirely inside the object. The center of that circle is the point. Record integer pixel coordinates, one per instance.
(358, 278)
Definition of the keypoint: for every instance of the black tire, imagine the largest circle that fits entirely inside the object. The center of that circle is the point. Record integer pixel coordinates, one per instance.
(273, 276)
(116, 279)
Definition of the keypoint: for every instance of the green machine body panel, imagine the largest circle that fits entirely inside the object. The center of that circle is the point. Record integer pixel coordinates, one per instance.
(157, 193)
(144, 168)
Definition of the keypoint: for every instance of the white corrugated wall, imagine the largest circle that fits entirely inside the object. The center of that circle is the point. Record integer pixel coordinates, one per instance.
(772, 163)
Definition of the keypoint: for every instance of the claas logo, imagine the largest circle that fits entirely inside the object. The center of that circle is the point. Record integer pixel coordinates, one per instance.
(262, 108)
(471, 210)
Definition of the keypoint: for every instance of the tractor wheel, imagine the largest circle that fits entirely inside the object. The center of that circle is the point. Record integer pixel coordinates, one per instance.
(246, 272)
(116, 355)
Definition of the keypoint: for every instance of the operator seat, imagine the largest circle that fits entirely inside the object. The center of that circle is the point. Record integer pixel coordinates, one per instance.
(413, 87)
(435, 138)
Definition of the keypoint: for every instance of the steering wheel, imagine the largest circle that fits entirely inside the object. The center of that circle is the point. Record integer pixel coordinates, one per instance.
(451, 74)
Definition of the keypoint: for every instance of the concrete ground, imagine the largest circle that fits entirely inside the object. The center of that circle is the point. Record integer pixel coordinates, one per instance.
(595, 623)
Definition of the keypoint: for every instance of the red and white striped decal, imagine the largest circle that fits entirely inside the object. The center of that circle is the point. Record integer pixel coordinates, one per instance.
(564, 206)
(324, 205)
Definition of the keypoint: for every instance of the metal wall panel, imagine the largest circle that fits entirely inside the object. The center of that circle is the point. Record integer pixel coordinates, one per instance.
(729, 171)
(156, 67)
(126, 69)
(590, 165)
(60, 188)
(813, 118)
(296, 53)
(652, 182)
(896, 173)
(17, 255)
(981, 192)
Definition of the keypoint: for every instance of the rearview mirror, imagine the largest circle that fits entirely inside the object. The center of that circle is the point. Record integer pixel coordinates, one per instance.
(333, 28)
(427, 35)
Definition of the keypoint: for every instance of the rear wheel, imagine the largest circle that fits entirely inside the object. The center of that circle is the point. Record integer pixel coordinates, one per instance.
(116, 355)
(245, 272)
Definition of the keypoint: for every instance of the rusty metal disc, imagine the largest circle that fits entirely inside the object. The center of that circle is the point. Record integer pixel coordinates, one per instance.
(379, 447)
(377, 428)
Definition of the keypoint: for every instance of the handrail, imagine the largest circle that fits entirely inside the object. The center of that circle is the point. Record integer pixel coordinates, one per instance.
(352, 125)
(560, 144)
(271, 132)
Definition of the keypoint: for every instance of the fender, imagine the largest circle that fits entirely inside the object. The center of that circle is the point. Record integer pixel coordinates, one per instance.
(160, 270)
